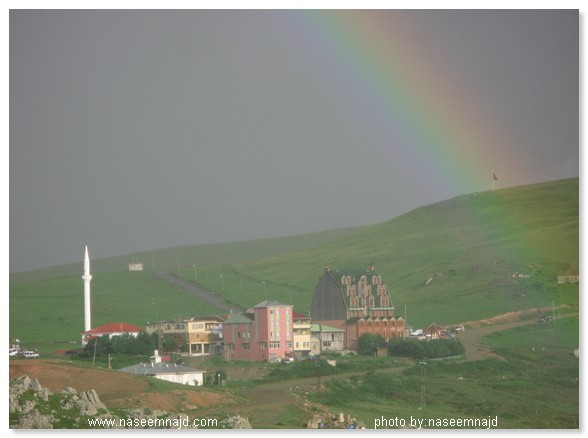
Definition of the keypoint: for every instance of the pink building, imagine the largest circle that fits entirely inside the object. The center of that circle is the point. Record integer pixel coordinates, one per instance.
(264, 335)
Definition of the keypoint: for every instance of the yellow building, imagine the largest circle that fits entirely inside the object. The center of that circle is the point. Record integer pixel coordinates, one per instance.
(301, 328)
(195, 336)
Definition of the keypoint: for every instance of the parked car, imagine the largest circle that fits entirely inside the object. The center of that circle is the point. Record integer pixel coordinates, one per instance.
(416, 333)
(13, 351)
(287, 360)
(30, 354)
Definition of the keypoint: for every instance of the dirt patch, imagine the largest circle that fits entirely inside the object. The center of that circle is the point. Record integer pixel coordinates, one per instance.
(115, 389)
(513, 316)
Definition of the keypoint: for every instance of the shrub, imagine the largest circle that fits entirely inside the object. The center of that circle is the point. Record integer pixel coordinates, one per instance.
(426, 349)
(368, 342)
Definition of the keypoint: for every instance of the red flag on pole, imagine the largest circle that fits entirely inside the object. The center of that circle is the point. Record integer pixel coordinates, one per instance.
(494, 177)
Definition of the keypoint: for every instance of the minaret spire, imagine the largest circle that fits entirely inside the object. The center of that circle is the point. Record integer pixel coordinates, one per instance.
(87, 278)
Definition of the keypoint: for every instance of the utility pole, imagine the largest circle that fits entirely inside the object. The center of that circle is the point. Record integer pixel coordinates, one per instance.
(94, 356)
(423, 384)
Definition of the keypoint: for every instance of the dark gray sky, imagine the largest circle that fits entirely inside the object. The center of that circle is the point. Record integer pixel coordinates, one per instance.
(137, 130)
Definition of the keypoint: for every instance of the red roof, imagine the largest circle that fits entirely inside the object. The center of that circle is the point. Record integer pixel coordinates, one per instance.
(114, 327)
(297, 315)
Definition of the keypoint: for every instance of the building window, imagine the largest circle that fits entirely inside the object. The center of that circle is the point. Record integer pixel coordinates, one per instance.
(326, 343)
(230, 347)
(245, 346)
(274, 344)
(289, 344)
(263, 345)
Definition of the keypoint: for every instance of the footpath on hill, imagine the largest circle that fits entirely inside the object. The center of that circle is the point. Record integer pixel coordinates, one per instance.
(198, 292)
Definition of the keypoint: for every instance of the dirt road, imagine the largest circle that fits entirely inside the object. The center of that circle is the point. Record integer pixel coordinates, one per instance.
(470, 338)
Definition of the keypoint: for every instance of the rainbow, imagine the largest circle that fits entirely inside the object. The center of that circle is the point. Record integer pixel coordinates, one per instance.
(378, 59)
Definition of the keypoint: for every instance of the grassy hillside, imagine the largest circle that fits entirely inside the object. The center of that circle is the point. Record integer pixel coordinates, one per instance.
(472, 249)
(46, 305)
(482, 254)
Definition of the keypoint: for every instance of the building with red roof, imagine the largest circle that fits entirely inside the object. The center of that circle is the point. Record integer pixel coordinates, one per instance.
(111, 329)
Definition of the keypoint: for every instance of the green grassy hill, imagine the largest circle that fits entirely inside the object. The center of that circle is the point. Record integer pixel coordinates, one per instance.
(46, 305)
(481, 254)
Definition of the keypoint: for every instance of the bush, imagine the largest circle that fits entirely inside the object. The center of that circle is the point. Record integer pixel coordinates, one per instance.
(219, 377)
(143, 344)
(426, 349)
(368, 342)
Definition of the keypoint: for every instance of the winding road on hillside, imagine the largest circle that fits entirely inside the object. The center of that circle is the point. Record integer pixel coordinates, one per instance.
(198, 292)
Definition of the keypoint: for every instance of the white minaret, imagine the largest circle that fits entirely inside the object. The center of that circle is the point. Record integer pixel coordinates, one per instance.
(87, 278)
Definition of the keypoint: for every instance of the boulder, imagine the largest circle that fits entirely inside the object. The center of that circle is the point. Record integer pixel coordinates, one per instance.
(236, 422)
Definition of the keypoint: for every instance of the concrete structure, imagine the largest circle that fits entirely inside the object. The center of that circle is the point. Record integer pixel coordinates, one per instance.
(197, 336)
(325, 338)
(266, 334)
(87, 277)
(301, 330)
(112, 329)
(356, 302)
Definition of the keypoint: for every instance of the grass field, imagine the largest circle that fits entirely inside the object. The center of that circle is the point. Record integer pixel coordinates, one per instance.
(527, 389)
(48, 314)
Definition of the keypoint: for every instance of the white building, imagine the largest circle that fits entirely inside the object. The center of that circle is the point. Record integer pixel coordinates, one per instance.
(170, 372)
